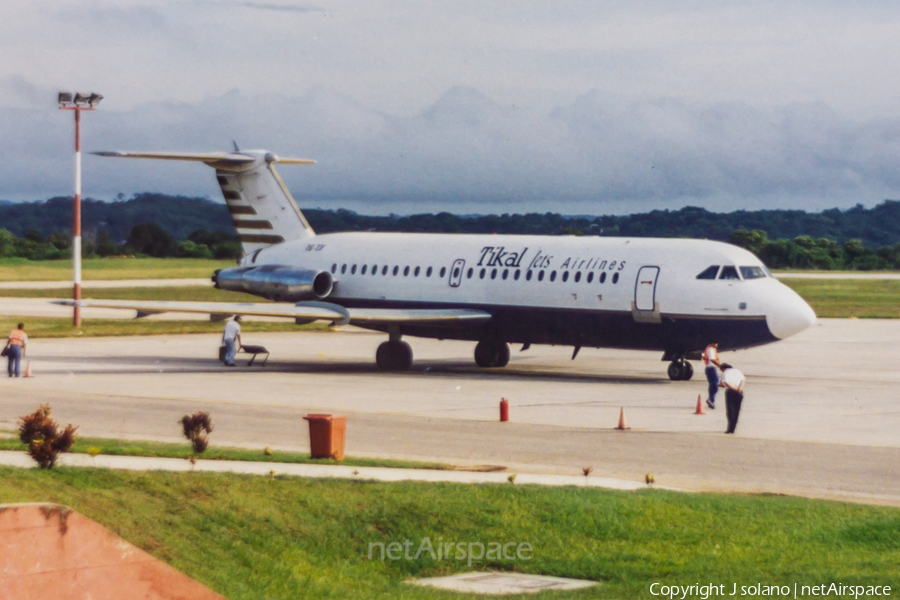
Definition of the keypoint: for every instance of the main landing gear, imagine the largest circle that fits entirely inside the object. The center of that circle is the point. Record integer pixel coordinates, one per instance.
(394, 355)
(680, 370)
(491, 353)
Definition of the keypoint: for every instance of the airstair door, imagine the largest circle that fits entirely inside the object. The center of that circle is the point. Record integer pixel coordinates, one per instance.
(645, 288)
(456, 272)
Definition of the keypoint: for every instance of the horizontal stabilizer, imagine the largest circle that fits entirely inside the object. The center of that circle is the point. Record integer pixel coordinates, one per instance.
(210, 158)
(312, 311)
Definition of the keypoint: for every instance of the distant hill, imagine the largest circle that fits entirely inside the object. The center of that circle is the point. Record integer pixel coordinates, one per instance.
(179, 215)
(182, 215)
(875, 227)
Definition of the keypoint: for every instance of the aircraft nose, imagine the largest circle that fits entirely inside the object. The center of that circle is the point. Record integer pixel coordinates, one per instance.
(788, 313)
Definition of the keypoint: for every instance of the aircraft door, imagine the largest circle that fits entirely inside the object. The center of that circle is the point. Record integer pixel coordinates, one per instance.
(456, 272)
(645, 288)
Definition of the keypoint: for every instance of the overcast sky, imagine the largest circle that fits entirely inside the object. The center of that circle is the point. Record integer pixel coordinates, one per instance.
(574, 107)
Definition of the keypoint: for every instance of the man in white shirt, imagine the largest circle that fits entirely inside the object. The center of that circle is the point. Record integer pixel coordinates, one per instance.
(733, 382)
(232, 340)
(711, 360)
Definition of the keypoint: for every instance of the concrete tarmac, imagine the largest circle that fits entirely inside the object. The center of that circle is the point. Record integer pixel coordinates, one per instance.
(820, 418)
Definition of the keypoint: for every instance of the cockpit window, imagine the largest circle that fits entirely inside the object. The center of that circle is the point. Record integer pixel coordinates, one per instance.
(709, 272)
(728, 272)
(752, 272)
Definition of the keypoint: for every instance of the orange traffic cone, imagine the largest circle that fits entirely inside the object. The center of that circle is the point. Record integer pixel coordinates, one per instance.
(699, 410)
(28, 369)
(621, 425)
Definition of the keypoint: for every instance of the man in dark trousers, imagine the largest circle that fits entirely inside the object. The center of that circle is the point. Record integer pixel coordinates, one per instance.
(711, 360)
(733, 382)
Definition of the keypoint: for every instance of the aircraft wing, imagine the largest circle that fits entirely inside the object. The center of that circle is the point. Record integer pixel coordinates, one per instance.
(418, 316)
(311, 311)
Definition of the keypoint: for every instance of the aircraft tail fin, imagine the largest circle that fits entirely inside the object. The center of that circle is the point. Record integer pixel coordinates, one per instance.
(262, 208)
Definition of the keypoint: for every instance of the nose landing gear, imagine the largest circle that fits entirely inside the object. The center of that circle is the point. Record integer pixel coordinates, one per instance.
(680, 370)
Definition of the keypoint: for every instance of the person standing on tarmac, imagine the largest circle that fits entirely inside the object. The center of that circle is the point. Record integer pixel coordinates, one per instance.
(711, 360)
(733, 382)
(15, 348)
(231, 337)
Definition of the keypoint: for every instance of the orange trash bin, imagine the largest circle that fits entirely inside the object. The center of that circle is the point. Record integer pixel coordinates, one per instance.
(326, 435)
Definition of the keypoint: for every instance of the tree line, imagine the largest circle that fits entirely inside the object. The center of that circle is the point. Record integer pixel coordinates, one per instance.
(175, 226)
(875, 227)
(180, 216)
(145, 239)
(804, 252)
(149, 239)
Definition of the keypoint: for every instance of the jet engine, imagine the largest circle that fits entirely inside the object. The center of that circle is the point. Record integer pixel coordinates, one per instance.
(280, 283)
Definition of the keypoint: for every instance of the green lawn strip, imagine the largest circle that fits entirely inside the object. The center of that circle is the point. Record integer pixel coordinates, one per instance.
(284, 537)
(789, 272)
(842, 298)
(21, 269)
(49, 327)
(835, 298)
(188, 293)
(114, 447)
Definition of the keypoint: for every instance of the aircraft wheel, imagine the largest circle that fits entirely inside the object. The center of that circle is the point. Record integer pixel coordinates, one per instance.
(483, 354)
(502, 355)
(491, 353)
(394, 356)
(676, 370)
(680, 370)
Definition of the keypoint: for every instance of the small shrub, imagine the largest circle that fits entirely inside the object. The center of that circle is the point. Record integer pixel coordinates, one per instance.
(42, 435)
(197, 428)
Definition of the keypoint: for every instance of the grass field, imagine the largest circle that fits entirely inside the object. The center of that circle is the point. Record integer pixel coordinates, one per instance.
(50, 327)
(251, 537)
(837, 298)
(20, 269)
(175, 293)
(842, 298)
(113, 447)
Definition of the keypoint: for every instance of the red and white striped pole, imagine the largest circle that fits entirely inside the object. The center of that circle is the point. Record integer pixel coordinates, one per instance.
(77, 104)
(76, 225)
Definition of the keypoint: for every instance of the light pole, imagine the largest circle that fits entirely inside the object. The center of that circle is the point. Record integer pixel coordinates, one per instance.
(77, 104)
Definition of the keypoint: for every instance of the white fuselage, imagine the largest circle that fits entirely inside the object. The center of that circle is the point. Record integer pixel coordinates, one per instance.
(592, 291)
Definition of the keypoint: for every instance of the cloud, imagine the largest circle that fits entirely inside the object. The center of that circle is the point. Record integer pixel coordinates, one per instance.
(282, 7)
(114, 20)
(267, 6)
(466, 152)
(20, 93)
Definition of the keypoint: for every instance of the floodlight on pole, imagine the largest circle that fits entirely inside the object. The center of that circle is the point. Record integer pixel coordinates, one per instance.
(77, 104)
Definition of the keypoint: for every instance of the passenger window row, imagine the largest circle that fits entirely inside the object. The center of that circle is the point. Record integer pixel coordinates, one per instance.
(471, 272)
(385, 269)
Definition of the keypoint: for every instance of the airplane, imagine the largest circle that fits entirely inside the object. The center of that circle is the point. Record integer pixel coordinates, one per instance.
(673, 296)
